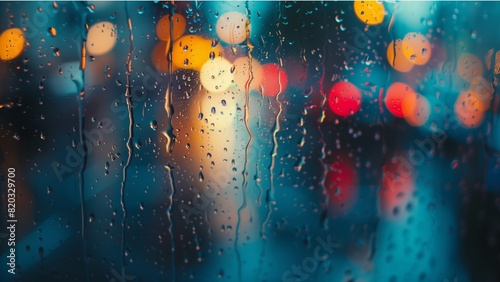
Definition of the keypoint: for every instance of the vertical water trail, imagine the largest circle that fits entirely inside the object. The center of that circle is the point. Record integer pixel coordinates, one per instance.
(81, 129)
(321, 119)
(130, 147)
(169, 134)
(276, 128)
(249, 143)
(169, 217)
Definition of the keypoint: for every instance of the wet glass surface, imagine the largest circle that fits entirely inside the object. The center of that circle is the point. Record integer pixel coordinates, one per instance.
(249, 141)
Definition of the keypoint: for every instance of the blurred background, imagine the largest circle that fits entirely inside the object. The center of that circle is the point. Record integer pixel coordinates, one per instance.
(251, 140)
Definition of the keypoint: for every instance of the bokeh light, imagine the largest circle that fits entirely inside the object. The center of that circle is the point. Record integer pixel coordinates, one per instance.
(242, 74)
(395, 96)
(11, 44)
(342, 185)
(469, 109)
(159, 57)
(416, 109)
(396, 58)
(274, 81)
(416, 48)
(344, 99)
(163, 27)
(216, 75)
(101, 38)
(192, 51)
(469, 66)
(370, 12)
(397, 188)
(232, 27)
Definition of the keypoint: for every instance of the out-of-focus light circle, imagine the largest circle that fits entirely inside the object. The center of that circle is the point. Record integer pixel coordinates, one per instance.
(242, 74)
(469, 109)
(416, 109)
(483, 90)
(397, 187)
(232, 27)
(344, 99)
(342, 187)
(218, 110)
(216, 75)
(396, 58)
(416, 48)
(101, 38)
(159, 57)
(11, 44)
(192, 51)
(469, 66)
(274, 80)
(370, 12)
(163, 27)
(394, 98)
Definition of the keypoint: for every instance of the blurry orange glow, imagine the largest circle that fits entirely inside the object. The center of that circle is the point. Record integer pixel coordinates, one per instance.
(396, 58)
(395, 95)
(159, 57)
(101, 38)
(242, 73)
(192, 51)
(370, 12)
(232, 27)
(469, 66)
(274, 80)
(11, 44)
(216, 75)
(397, 187)
(342, 187)
(344, 99)
(416, 48)
(483, 90)
(469, 109)
(163, 27)
(416, 109)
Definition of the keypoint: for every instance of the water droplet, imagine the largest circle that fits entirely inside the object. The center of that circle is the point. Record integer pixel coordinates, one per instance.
(52, 31)
(201, 177)
(140, 10)
(49, 190)
(56, 52)
(91, 217)
(153, 124)
(454, 164)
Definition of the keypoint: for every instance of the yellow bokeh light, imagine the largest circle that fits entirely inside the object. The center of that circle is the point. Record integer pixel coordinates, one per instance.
(11, 44)
(101, 38)
(242, 74)
(163, 27)
(416, 48)
(232, 27)
(396, 58)
(370, 12)
(192, 51)
(216, 75)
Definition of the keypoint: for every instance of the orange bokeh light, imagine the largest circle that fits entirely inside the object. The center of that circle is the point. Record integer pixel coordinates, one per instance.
(396, 58)
(395, 96)
(163, 27)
